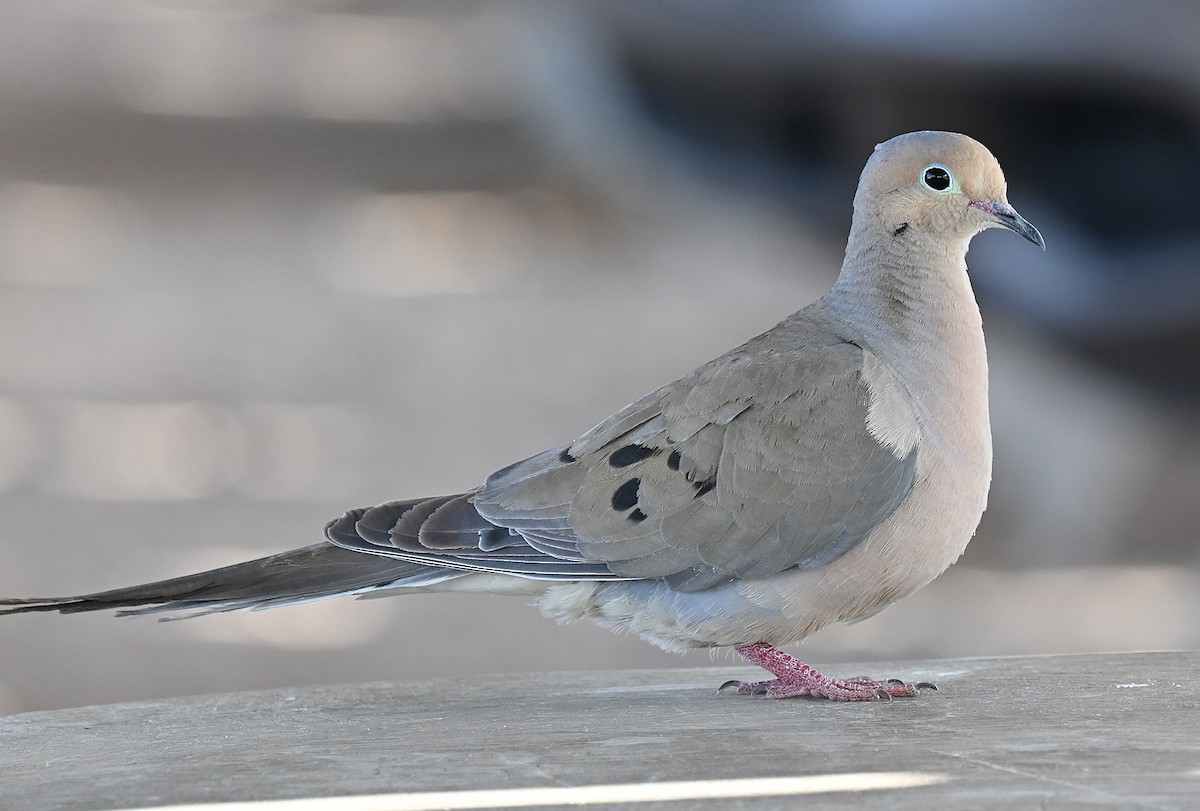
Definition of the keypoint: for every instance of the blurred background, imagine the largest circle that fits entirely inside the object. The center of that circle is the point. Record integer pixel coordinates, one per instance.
(261, 261)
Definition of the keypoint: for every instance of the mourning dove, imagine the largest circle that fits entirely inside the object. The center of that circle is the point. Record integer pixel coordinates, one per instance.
(815, 474)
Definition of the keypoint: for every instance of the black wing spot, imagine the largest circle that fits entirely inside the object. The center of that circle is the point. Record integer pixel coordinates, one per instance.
(637, 516)
(626, 495)
(673, 460)
(903, 227)
(704, 487)
(630, 454)
(565, 457)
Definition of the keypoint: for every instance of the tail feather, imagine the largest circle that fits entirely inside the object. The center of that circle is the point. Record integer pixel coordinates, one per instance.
(301, 575)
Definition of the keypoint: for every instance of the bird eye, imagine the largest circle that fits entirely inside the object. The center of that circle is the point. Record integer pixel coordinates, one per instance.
(937, 177)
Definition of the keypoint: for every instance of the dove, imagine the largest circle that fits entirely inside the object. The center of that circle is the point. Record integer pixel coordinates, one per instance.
(816, 474)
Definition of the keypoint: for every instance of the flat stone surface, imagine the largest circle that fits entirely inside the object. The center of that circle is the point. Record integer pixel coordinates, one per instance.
(1108, 730)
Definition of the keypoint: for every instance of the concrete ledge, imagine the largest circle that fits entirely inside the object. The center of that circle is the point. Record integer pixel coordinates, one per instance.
(1118, 730)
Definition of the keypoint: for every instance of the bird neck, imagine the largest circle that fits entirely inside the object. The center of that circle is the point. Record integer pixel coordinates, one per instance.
(919, 318)
(904, 288)
(911, 305)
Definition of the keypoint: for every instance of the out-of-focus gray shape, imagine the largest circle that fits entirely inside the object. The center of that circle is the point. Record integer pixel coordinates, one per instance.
(784, 98)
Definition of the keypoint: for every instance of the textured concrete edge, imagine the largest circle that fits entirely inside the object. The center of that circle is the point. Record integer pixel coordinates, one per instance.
(629, 680)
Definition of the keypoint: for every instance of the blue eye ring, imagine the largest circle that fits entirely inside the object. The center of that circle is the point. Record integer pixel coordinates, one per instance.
(938, 178)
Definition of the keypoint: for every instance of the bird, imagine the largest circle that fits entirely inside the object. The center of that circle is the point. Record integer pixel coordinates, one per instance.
(817, 473)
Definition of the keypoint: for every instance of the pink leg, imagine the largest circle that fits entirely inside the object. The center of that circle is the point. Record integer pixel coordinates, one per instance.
(794, 678)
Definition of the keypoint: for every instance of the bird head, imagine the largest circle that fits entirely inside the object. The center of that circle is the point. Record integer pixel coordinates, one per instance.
(937, 183)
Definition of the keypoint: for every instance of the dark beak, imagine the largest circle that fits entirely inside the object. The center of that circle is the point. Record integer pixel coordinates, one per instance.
(1006, 215)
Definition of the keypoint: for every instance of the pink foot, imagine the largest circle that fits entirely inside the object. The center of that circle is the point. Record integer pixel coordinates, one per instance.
(794, 678)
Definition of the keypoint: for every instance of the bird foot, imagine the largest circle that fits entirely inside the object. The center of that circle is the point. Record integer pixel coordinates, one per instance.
(794, 678)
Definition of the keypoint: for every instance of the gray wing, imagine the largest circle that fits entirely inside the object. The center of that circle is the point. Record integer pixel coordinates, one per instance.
(755, 463)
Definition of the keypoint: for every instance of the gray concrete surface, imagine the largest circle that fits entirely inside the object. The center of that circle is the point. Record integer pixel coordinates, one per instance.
(1116, 731)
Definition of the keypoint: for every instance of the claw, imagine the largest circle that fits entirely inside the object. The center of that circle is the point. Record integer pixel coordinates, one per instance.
(883, 694)
(928, 685)
(759, 690)
(731, 683)
(895, 681)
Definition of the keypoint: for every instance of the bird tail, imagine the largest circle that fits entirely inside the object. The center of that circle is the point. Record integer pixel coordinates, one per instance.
(301, 575)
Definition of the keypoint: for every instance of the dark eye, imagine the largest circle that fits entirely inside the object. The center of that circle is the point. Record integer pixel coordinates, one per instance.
(937, 178)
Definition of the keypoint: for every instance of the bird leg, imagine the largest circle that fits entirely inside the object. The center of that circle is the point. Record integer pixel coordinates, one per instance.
(794, 678)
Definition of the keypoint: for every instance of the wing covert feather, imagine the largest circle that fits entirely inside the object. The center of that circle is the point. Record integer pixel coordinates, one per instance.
(755, 463)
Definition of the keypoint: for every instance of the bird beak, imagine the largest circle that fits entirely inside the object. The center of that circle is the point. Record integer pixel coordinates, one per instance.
(1007, 216)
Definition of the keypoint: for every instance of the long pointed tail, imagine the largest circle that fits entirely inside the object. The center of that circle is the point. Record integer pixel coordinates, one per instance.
(301, 575)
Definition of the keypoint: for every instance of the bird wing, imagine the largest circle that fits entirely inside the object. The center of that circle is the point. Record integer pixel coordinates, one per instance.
(757, 462)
